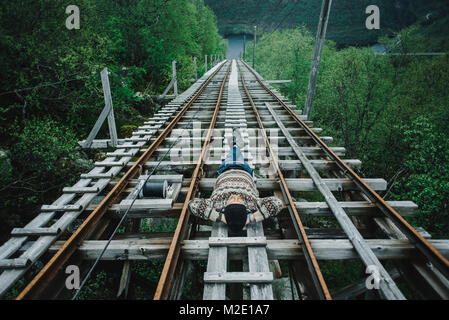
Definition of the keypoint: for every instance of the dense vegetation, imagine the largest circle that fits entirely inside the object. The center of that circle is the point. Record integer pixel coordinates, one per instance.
(391, 112)
(347, 19)
(39, 128)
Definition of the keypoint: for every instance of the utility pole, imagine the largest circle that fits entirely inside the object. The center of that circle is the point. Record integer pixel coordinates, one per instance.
(196, 68)
(244, 46)
(319, 42)
(254, 47)
(175, 78)
(205, 63)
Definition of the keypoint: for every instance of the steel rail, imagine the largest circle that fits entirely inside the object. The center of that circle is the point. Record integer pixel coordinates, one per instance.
(55, 264)
(165, 283)
(423, 246)
(314, 268)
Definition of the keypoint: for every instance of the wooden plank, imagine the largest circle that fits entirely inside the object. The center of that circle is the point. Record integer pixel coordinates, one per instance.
(429, 277)
(387, 286)
(309, 151)
(97, 175)
(146, 204)
(164, 94)
(35, 231)
(216, 262)
(110, 106)
(175, 85)
(104, 114)
(258, 263)
(67, 207)
(81, 190)
(238, 277)
(10, 276)
(289, 249)
(124, 280)
(285, 164)
(278, 81)
(355, 208)
(237, 241)
(107, 164)
(37, 248)
(171, 178)
(334, 184)
(14, 263)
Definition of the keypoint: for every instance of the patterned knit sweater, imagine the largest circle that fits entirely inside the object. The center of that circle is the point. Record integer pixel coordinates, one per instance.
(235, 182)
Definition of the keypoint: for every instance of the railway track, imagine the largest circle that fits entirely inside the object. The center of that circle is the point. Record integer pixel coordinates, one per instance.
(387, 285)
(186, 143)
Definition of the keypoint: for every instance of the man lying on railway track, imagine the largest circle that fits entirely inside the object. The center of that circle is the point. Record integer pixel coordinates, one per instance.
(235, 199)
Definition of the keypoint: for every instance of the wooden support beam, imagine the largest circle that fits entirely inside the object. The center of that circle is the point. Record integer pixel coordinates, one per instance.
(238, 277)
(278, 81)
(14, 263)
(217, 260)
(108, 112)
(146, 204)
(196, 68)
(35, 231)
(237, 242)
(336, 184)
(388, 288)
(290, 249)
(108, 102)
(175, 84)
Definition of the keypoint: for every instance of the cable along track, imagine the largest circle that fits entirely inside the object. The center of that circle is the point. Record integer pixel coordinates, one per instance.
(54, 265)
(165, 285)
(76, 200)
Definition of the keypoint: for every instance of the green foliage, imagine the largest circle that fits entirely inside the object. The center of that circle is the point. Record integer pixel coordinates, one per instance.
(426, 181)
(44, 147)
(39, 128)
(99, 286)
(340, 273)
(44, 158)
(352, 97)
(391, 112)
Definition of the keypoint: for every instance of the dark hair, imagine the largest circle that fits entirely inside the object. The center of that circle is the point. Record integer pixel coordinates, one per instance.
(235, 215)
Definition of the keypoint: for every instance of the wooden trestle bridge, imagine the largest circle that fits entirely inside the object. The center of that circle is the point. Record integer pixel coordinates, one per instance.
(184, 143)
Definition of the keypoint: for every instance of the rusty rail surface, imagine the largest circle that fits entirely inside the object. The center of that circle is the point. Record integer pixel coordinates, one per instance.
(314, 268)
(55, 264)
(168, 272)
(424, 247)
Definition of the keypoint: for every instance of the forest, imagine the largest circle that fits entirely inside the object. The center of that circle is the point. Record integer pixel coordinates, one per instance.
(51, 93)
(347, 18)
(389, 111)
